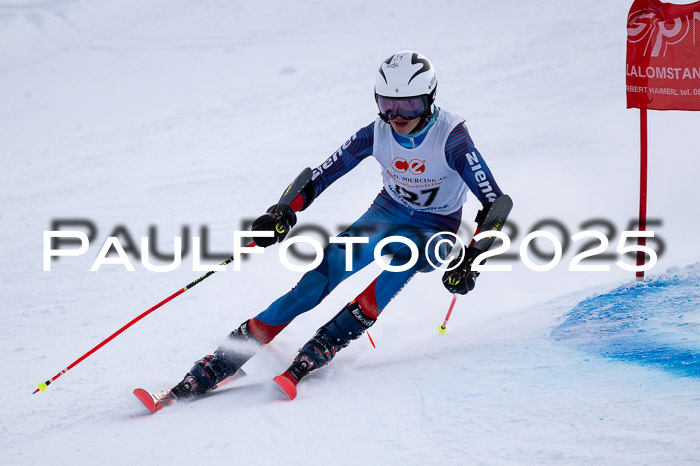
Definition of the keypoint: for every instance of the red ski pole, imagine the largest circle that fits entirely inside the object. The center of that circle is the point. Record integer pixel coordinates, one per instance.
(492, 220)
(442, 329)
(288, 198)
(42, 386)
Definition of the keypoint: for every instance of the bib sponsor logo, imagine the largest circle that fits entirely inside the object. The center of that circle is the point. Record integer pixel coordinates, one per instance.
(417, 167)
(399, 164)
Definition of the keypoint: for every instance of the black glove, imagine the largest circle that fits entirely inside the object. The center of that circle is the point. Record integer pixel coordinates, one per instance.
(278, 219)
(462, 278)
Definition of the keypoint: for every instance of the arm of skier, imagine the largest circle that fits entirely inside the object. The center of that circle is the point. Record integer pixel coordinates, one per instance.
(347, 157)
(463, 157)
(280, 219)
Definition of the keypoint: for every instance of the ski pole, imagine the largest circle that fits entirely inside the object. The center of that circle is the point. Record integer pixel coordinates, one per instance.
(42, 386)
(442, 329)
(288, 198)
(491, 219)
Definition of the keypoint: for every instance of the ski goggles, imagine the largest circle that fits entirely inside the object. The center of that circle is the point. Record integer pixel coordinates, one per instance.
(407, 108)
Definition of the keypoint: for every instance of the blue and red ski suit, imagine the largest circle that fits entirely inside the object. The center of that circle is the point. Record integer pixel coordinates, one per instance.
(389, 215)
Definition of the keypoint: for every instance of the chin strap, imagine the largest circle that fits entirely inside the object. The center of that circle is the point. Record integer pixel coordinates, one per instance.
(422, 123)
(425, 119)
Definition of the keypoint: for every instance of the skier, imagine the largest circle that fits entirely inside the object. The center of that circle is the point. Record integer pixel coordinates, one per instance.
(428, 162)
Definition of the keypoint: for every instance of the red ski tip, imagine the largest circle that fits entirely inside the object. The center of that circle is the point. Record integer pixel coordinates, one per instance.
(146, 398)
(287, 386)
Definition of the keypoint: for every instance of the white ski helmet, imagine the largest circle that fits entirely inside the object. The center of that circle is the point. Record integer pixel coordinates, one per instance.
(406, 74)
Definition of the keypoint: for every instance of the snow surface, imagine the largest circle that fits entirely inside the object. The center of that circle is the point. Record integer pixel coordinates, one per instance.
(173, 113)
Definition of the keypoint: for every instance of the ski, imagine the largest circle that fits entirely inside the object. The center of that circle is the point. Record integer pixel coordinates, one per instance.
(288, 384)
(154, 402)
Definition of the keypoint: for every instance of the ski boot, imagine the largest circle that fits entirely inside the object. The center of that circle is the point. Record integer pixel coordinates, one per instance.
(213, 369)
(349, 324)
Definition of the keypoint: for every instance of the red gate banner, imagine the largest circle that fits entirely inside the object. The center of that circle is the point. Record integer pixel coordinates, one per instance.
(663, 56)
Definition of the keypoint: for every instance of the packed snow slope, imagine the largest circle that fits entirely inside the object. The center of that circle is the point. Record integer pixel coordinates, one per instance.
(188, 118)
(654, 323)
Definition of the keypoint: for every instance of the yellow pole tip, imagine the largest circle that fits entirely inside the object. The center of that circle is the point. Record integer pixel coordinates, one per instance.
(42, 386)
(442, 330)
